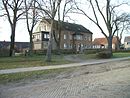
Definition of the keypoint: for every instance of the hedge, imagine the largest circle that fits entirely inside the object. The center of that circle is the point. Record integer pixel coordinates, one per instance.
(64, 51)
(104, 54)
(4, 52)
(93, 51)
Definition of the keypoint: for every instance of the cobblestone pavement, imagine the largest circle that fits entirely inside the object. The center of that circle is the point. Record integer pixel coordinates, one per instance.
(110, 84)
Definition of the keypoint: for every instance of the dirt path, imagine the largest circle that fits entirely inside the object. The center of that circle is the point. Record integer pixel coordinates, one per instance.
(109, 80)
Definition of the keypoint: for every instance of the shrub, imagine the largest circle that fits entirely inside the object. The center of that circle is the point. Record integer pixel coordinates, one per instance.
(122, 51)
(39, 52)
(92, 51)
(4, 52)
(104, 54)
(62, 51)
(67, 51)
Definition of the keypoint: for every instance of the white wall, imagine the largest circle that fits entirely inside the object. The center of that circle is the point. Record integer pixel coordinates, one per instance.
(127, 45)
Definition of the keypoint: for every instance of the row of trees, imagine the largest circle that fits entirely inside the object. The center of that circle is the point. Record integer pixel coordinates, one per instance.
(33, 10)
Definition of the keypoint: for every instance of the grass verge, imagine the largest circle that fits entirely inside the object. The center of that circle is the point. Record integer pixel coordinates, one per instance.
(34, 61)
(94, 56)
(121, 54)
(87, 56)
(33, 75)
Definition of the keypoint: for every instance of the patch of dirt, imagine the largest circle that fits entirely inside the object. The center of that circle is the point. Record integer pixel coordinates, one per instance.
(93, 69)
(74, 58)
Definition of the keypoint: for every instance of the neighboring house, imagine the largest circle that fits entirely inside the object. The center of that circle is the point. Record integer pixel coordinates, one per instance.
(73, 36)
(127, 43)
(101, 43)
(19, 46)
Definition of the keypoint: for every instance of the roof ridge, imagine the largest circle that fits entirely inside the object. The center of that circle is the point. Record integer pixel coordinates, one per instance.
(73, 26)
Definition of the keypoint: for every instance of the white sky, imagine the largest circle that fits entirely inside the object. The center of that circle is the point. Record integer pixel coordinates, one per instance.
(23, 36)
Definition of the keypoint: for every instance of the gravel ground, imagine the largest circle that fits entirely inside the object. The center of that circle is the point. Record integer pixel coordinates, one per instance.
(109, 80)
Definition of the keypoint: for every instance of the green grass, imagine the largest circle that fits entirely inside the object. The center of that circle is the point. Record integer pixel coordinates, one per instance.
(87, 56)
(16, 62)
(21, 62)
(121, 54)
(115, 55)
(33, 75)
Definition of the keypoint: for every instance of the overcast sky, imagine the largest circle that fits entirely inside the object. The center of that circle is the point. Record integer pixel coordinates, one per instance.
(23, 36)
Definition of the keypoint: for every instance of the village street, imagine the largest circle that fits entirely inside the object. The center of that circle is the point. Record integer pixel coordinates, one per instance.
(107, 80)
(64, 49)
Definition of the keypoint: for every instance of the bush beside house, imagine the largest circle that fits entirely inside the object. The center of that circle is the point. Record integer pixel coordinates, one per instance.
(4, 52)
(104, 54)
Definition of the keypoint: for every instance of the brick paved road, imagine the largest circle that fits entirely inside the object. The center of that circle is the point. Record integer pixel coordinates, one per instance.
(111, 84)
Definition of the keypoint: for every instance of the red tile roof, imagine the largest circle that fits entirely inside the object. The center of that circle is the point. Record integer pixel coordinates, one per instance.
(103, 41)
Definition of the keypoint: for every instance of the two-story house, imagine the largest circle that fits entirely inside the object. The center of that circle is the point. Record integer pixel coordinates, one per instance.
(73, 36)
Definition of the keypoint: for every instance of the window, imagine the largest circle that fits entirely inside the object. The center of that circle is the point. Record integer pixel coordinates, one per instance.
(82, 45)
(34, 37)
(46, 36)
(89, 38)
(65, 46)
(41, 27)
(71, 46)
(45, 28)
(65, 36)
(57, 35)
(38, 36)
(85, 37)
(78, 37)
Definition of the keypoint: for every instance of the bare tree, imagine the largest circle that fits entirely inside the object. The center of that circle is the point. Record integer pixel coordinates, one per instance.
(122, 24)
(31, 14)
(67, 8)
(49, 7)
(13, 11)
(106, 17)
(63, 10)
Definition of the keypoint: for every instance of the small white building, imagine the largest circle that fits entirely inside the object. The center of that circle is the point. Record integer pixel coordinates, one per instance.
(127, 43)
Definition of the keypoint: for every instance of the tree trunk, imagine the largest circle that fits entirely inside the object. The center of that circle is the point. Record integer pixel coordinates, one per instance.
(31, 44)
(109, 39)
(118, 44)
(59, 39)
(58, 47)
(48, 55)
(12, 43)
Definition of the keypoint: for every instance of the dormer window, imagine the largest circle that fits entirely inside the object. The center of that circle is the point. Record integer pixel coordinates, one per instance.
(45, 28)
